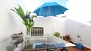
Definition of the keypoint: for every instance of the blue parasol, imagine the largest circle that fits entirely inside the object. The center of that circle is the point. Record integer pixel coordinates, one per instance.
(50, 9)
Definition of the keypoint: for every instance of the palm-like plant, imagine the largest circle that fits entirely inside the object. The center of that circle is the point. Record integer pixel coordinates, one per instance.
(27, 19)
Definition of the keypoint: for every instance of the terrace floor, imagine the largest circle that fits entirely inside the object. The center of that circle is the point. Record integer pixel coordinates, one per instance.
(69, 48)
(73, 49)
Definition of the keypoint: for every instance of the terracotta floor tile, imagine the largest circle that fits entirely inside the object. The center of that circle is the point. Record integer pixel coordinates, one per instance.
(69, 48)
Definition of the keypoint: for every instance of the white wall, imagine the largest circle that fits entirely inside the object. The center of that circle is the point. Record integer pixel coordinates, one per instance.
(75, 28)
(79, 14)
(51, 24)
(10, 22)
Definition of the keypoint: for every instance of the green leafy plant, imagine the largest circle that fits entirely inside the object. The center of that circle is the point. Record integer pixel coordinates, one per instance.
(27, 19)
(60, 36)
(57, 34)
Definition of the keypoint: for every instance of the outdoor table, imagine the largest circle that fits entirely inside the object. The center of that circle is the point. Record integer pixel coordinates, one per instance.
(47, 46)
(60, 46)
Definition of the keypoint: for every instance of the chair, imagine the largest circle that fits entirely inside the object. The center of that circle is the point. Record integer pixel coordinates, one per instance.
(54, 49)
(32, 50)
(64, 48)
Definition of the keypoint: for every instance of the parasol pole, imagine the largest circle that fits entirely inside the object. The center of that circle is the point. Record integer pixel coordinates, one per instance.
(49, 19)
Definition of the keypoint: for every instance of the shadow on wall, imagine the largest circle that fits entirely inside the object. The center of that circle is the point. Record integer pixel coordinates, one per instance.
(12, 17)
(89, 21)
(4, 40)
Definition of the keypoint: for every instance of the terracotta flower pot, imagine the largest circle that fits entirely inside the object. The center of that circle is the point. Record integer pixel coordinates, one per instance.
(68, 40)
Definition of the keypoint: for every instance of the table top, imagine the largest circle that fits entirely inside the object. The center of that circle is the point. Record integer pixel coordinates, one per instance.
(59, 45)
(43, 46)
(51, 45)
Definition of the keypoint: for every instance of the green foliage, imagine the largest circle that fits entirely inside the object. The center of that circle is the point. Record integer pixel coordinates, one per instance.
(27, 20)
(60, 36)
(19, 11)
(57, 34)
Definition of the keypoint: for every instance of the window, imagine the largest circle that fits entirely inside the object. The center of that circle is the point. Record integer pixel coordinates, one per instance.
(37, 31)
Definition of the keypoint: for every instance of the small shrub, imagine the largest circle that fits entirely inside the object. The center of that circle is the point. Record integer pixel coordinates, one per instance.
(60, 36)
(66, 37)
(57, 34)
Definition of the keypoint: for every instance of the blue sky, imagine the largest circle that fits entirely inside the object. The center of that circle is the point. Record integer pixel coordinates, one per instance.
(33, 4)
(61, 2)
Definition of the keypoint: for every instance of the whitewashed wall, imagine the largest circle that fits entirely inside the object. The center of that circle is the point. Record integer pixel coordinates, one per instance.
(10, 22)
(79, 13)
(51, 24)
(75, 28)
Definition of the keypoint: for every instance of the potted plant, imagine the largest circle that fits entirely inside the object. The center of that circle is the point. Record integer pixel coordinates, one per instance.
(57, 34)
(27, 21)
(67, 38)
